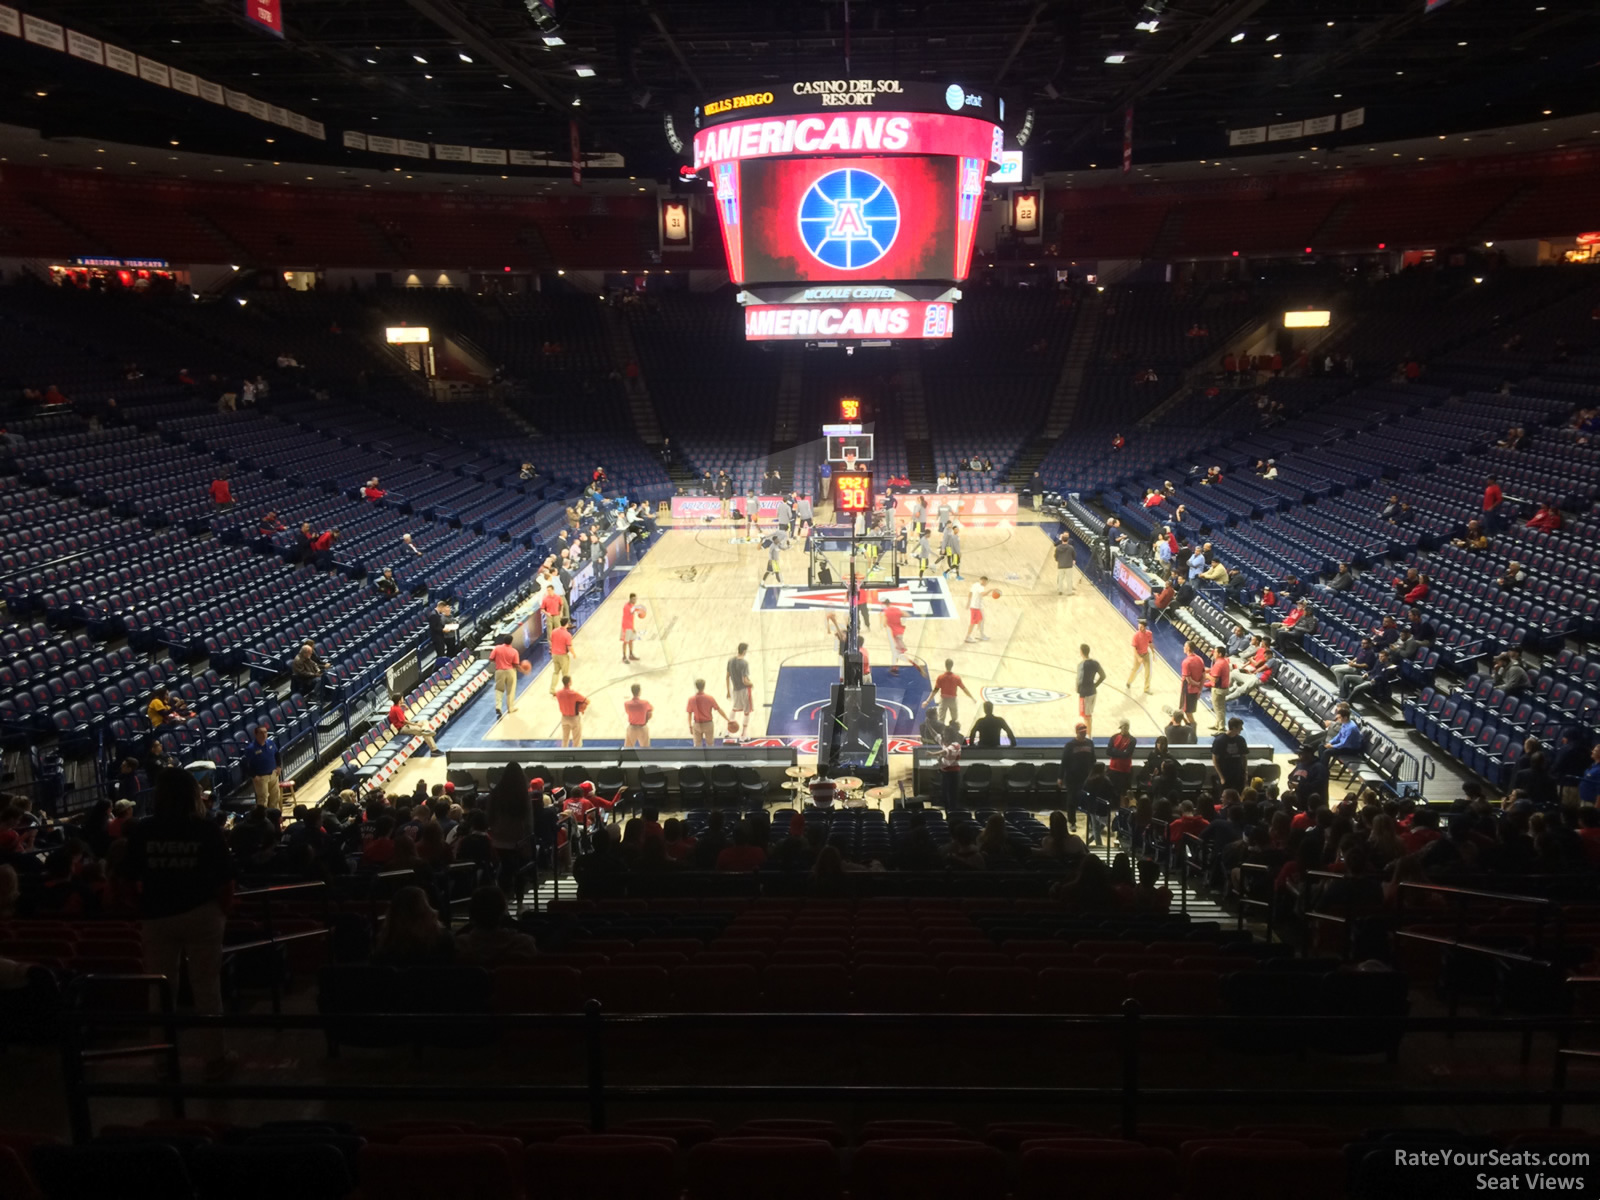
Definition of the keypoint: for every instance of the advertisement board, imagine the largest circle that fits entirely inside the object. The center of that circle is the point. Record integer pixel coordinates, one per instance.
(859, 133)
(853, 95)
(265, 14)
(699, 508)
(1130, 580)
(913, 320)
(834, 220)
(980, 510)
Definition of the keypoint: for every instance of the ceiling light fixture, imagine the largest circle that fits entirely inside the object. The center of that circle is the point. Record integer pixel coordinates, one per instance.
(584, 72)
(463, 56)
(1147, 26)
(1110, 58)
(420, 59)
(552, 40)
(1238, 37)
(1272, 37)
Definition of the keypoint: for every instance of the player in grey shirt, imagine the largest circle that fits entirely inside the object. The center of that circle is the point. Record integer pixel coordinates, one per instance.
(951, 547)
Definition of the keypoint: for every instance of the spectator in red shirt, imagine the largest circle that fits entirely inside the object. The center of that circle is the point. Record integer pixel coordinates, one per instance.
(324, 541)
(1493, 497)
(1186, 822)
(1119, 759)
(52, 395)
(402, 724)
(1548, 518)
(744, 854)
(221, 491)
(372, 491)
(1418, 592)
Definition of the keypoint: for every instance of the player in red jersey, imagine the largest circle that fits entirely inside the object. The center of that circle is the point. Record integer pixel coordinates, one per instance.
(629, 634)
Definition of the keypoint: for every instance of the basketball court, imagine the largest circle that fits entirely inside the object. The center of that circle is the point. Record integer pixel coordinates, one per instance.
(703, 597)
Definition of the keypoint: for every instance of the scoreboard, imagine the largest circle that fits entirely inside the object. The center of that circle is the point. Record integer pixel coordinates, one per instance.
(852, 492)
(870, 183)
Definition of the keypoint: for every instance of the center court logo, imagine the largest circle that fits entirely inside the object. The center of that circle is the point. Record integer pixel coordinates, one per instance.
(1021, 695)
(849, 219)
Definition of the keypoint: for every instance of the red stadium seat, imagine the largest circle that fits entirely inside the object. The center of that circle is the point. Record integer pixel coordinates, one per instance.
(480, 1170)
(927, 1169)
(764, 1168)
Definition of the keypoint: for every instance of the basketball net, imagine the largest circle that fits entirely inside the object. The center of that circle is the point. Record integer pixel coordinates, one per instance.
(850, 453)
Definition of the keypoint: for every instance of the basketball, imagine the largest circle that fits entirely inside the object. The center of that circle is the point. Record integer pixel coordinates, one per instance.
(640, 612)
(995, 595)
(524, 667)
(733, 727)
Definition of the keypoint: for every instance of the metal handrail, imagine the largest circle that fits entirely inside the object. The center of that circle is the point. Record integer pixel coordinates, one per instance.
(593, 1025)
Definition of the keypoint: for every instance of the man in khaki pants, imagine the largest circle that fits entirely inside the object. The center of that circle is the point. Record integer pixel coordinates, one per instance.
(561, 653)
(700, 708)
(505, 660)
(639, 713)
(261, 764)
(572, 705)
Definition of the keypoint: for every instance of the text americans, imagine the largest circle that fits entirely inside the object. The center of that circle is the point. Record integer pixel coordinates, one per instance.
(804, 135)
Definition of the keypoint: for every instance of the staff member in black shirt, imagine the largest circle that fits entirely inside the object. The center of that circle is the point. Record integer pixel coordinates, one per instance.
(439, 628)
(1230, 756)
(1077, 760)
(181, 865)
(986, 730)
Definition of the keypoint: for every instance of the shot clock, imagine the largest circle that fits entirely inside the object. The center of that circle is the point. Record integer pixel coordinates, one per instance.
(852, 492)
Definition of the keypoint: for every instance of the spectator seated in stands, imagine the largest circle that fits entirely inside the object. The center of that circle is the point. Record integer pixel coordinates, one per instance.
(164, 707)
(744, 854)
(490, 938)
(305, 671)
(1474, 539)
(1509, 675)
(411, 935)
(269, 524)
(1187, 822)
(1547, 518)
(371, 491)
(401, 724)
(1343, 579)
(221, 491)
(385, 584)
(1340, 737)
(1297, 622)
(1512, 577)
(322, 548)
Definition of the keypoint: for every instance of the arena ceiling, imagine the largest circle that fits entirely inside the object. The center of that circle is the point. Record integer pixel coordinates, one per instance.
(479, 72)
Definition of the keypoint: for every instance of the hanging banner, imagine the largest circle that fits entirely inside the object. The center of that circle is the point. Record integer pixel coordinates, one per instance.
(82, 46)
(265, 14)
(1286, 131)
(577, 155)
(1253, 136)
(1356, 116)
(1025, 214)
(1127, 139)
(1318, 125)
(43, 33)
(677, 229)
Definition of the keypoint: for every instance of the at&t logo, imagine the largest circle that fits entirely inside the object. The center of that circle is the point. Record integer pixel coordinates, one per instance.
(849, 219)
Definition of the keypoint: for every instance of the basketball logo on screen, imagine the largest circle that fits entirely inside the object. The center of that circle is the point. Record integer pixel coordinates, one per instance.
(849, 219)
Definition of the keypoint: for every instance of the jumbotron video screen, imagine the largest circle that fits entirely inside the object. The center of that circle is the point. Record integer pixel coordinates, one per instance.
(884, 196)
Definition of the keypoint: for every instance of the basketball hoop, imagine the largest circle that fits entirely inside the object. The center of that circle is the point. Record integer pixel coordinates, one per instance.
(850, 456)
